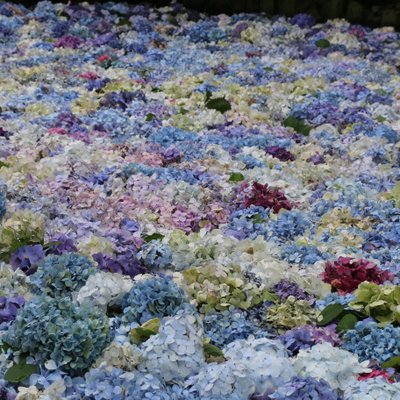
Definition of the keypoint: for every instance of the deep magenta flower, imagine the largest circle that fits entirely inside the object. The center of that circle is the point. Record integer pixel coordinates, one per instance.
(264, 196)
(69, 41)
(347, 273)
(280, 152)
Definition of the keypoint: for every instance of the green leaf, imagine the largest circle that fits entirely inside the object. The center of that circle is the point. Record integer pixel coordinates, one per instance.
(154, 236)
(3, 164)
(149, 117)
(323, 43)
(329, 313)
(183, 111)
(142, 333)
(212, 353)
(220, 104)
(257, 219)
(268, 69)
(393, 362)
(380, 118)
(298, 125)
(236, 177)
(208, 96)
(346, 323)
(19, 372)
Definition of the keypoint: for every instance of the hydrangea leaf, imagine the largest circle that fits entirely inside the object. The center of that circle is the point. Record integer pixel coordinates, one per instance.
(329, 313)
(393, 362)
(154, 236)
(142, 333)
(347, 322)
(19, 372)
(323, 43)
(220, 104)
(298, 125)
(213, 353)
(236, 177)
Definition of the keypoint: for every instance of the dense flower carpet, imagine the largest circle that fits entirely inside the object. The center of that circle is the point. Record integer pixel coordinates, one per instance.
(197, 207)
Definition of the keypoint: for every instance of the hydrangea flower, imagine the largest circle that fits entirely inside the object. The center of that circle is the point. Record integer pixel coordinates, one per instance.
(9, 307)
(370, 342)
(21, 229)
(155, 297)
(57, 329)
(103, 289)
(371, 389)
(27, 258)
(176, 352)
(309, 335)
(62, 275)
(155, 255)
(263, 196)
(229, 325)
(304, 389)
(347, 273)
(291, 313)
(284, 288)
(338, 367)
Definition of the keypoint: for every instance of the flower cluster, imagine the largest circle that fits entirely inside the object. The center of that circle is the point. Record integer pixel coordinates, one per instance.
(57, 329)
(154, 297)
(370, 342)
(263, 196)
(226, 326)
(346, 273)
(291, 313)
(62, 275)
(177, 194)
(217, 288)
(304, 389)
(380, 302)
(336, 366)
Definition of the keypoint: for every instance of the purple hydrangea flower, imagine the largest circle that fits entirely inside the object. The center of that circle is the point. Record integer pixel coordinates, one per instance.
(9, 307)
(69, 41)
(27, 258)
(62, 244)
(284, 288)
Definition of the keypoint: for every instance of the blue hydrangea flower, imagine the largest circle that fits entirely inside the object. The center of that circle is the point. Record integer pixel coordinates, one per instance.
(61, 275)
(225, 327)
(288, 225)
(333, 298)
(303, 255)
(57, 329)
(371, 342)
(155, 297)
(155, 255)
(248, 223)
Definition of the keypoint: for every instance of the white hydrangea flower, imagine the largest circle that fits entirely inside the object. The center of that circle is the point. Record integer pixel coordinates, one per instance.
(176, 352)
(266, 361)
(124, 356)
(104, 288)
(28, 393)
(372, 389)
(229, 380)
(338, 367)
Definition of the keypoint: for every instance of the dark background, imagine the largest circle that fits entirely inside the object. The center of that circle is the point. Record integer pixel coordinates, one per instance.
(372, 13)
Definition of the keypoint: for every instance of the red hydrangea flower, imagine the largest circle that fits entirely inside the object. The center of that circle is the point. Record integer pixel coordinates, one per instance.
(280, 153)
(347, 273)
(263, 196)
(376, 373)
